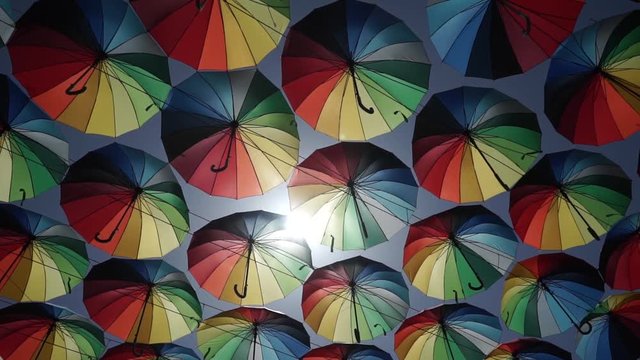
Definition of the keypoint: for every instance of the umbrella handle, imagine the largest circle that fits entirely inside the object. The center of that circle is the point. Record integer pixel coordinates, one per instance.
(70, 91)
(108, 239)
(506, 320)
(207, 353)
(476, 287)
(585, 332)
(529, 154)
(24, 195)
(240, 295)
(232, 137)
(455, 294)
(384, 332)
(333, 240)
(404, 117)
(356, 333)
(200, 4)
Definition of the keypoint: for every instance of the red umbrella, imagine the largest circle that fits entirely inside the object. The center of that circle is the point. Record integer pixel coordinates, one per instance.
(620, 256)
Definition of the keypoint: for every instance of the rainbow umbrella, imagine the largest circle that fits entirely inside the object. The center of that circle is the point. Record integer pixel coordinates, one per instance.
(90, 64)
(592, 93)
(473, 143)
(41, 331)
(40, 258)
(353, 71)
(230, 134)
(528, 349)
(129, 351)
(355, 195)
(249, 258)
(354, 299)
(620, 256)
(141, 301)
(459, 252)
(548, 294)
(347, 352)
(252, 333)
(568, 199)
(125, 202)
(448, 332)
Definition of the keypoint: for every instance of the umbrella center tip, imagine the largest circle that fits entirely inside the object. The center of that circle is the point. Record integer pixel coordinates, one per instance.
(138, 190)
(352, 283)
(235, 124)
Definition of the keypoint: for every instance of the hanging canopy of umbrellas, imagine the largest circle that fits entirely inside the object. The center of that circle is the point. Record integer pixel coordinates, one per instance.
(620, 256)
(347, 352)
(529, 349)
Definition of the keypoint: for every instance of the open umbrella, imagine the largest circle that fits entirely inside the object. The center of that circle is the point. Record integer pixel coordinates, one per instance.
(141, 301)
(356, 195)
(230, 134)
(353, 71)
(592, 93)
(249, 258)
(90, 64)
(125, 202)
(41, 331)
(129, 351)
(448, 332)
(473, 143)
(347, 352)
(354, 299)
(620, 256)
(528, 349)
(458, 253)
(568, 199)
(548, 294)
(40, 258)
(497, 38)
(252, 333)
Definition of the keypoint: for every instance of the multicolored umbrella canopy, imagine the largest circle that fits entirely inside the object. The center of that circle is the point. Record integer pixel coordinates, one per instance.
(347, 352)
(7, 24)
(40, 258)
(470, 144)
(592, 93)
(620, 256)
(353, 71)
(252, 333)
(141, 301)
(216, 34)
(458, 253)
(528, 349)
(568, 199)
(356, 195)
(33, 152)
(548, 294)
(41, 331)
(448, 332)
(497, 38)
(129, 351)
(90, 64)
(354, 300)
(125, 202)
(249, 258)
(230, 134)
(615, 324)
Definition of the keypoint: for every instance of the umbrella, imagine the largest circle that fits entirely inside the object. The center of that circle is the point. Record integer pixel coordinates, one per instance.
(458, 253)
(141, 301)
(40, 258)
(347, 352)
(128, 351)
(7, 24)
(473, 143)
(592, 93)
(528, 349)
(620, 256)
(353, 71)
(252, 333)
(41, 331)
(568, 199)
(230, 134)
(356, 195)
(497, 38)
(125, 202)
(448, 332)
(33, 153)
(354, 299)
(548, 294)
(215, 34)
(616, 329)
(90, 64)
(249, 258)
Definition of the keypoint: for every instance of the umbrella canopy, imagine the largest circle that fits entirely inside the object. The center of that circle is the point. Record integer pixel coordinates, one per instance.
(356, 195)
(347, 352)
(41, 331)
(353, 71)
(216, 34)
(230, 134)
(497, 38)
(568, 199)
(90, 64)
(620, 256)
(448, 332)
(592, 93)
(7, 24)
(141, 301)
(354, 299)
(125, 202)
(33, 152)
(528, 349)
(249, 258)
(252, 333)
(458, 253)
(128, 351)
(549, 293)
(473, 143)
(40, 258)
(615, 325)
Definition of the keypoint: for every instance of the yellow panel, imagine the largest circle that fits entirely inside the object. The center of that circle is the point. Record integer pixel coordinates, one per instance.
(238, 53)
(102, 119)
(329, 119)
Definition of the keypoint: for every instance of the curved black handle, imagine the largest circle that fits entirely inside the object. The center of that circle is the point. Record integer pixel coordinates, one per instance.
(404, 117)
(333, 240)
(506, 320)
(200, 4)
(71, 92)
(527, 28)
(108, 239)
(356, 333)
(476, 287)
(368, 110)
(207, 353)
(238, 293)
(585, 332)
(455, 294)
(384, 332)
(24, 195)
(224, 167)
(529, 154)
